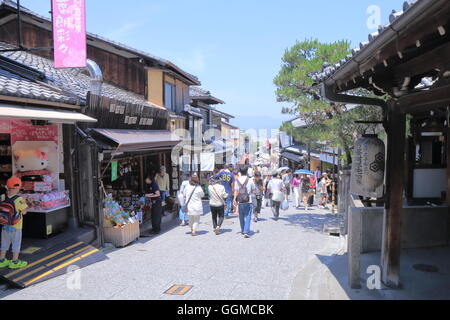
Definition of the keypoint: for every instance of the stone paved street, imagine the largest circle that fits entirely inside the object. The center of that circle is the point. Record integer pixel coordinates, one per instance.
(218, 267)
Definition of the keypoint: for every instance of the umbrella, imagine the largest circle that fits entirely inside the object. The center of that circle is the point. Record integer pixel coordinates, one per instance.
(303, 171)
(283, 169)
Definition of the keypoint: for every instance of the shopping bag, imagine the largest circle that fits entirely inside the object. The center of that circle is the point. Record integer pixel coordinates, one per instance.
(285, 205)
(182, 215)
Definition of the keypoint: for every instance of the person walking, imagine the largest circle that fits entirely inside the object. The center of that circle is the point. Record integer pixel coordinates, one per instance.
(307, 190)
(322, 187)
(163, 181)
(182, 216)
(153, 193)
(267, 195)
(244, 188)
(287, 179)
(217, 203)
(228, 178)
(193, 194)
(259, 184)
(296, 185)
(276, 190)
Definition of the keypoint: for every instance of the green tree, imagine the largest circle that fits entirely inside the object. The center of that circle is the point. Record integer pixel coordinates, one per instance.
(325, 122)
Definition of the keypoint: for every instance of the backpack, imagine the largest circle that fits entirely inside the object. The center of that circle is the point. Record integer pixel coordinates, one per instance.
(8, 214)
(243, 196)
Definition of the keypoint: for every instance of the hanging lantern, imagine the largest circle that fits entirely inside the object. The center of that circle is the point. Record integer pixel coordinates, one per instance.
(368, 167)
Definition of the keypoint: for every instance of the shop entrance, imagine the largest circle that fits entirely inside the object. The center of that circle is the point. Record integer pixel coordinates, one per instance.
(33, 151)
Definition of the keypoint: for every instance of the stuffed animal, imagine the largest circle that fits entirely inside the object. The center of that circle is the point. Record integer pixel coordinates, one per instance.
(31, 160)
(31, 166)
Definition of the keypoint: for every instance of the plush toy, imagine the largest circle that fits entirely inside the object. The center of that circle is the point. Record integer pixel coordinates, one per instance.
(31, 160)
(31, 166)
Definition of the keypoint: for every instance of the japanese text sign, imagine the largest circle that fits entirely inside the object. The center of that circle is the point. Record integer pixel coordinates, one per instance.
(34, 133)
(69, 33)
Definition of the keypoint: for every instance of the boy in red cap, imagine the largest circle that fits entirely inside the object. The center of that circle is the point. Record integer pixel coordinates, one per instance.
(12, 235)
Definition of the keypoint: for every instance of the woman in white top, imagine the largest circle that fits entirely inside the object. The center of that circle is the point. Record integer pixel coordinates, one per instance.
(276, 189)
(217, 202)
(193, 194)
(183, 217)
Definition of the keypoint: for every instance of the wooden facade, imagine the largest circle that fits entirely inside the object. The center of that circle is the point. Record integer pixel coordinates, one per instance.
(125, 73)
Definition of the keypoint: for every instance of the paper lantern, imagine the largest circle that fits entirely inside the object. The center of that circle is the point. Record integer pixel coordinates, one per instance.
(368, 167)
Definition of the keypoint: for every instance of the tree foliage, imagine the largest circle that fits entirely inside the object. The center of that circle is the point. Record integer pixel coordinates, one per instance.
(325, 122)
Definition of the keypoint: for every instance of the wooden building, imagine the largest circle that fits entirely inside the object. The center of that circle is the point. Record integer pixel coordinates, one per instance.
(408, 62)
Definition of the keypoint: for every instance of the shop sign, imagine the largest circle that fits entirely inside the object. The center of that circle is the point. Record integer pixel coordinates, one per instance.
(34, 133)
(6, 125)
(69, 33)
(114, 171)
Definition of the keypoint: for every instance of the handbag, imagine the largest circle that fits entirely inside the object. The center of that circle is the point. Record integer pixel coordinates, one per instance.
(185, 207)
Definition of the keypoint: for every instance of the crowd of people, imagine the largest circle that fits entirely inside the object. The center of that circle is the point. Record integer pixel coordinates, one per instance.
(245, 190)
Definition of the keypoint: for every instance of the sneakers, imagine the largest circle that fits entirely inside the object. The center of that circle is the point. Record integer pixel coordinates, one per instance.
(217, 231)
(18, 264)
(246, 236)
(5, 263)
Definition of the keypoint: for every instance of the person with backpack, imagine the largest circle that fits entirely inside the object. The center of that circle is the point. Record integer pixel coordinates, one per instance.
(193, 195)
(12, 209)
(217, 203)
(244, 190)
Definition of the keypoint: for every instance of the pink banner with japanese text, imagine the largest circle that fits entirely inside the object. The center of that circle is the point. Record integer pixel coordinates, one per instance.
(69, 33)
(34, 133)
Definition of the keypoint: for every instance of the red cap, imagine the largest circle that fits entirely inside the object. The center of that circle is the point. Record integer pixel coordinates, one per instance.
(14, 183)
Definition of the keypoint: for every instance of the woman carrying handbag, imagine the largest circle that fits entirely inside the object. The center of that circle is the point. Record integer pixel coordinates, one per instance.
(193, 194)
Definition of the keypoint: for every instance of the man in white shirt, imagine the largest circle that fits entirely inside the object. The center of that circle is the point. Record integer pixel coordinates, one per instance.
(244, 190)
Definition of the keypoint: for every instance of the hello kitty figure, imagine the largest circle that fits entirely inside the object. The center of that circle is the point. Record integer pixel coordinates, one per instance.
(31, 166)
(31, 160)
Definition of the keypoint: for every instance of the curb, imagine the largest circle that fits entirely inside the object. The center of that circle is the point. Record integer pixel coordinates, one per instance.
(313, 281)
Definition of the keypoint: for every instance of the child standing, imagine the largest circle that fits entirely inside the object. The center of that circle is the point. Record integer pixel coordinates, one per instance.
(12, 235)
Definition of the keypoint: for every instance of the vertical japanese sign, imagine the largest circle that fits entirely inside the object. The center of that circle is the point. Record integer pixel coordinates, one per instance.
(114, 171)
(69, 33)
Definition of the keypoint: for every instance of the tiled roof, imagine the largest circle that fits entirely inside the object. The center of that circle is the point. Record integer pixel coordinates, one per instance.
(16, 86)
(72, 81)
(329, 70)
(197, 92)
(141, 53)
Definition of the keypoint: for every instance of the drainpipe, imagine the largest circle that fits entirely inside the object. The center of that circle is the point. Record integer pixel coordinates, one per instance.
(96, 85)
(96, 77)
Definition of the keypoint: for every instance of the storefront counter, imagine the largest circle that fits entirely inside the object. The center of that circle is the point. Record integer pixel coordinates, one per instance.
(42, 224)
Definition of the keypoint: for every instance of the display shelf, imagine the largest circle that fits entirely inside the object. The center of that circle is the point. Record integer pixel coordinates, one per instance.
(49, 210)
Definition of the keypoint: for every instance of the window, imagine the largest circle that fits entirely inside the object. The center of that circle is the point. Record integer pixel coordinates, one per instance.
(170, 96)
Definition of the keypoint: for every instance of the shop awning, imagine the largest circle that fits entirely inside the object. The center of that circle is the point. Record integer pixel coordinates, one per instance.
(52, 115)
(291, 156)
(124, 140)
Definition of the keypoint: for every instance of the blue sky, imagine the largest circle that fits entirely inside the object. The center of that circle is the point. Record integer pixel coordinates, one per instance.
(233, 46)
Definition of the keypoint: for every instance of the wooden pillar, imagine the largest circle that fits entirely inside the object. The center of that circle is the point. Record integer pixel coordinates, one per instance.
(448, 167)
(395, 162)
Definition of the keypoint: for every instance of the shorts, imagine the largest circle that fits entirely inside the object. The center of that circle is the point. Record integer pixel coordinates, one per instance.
(324, 194)
(13, 239)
